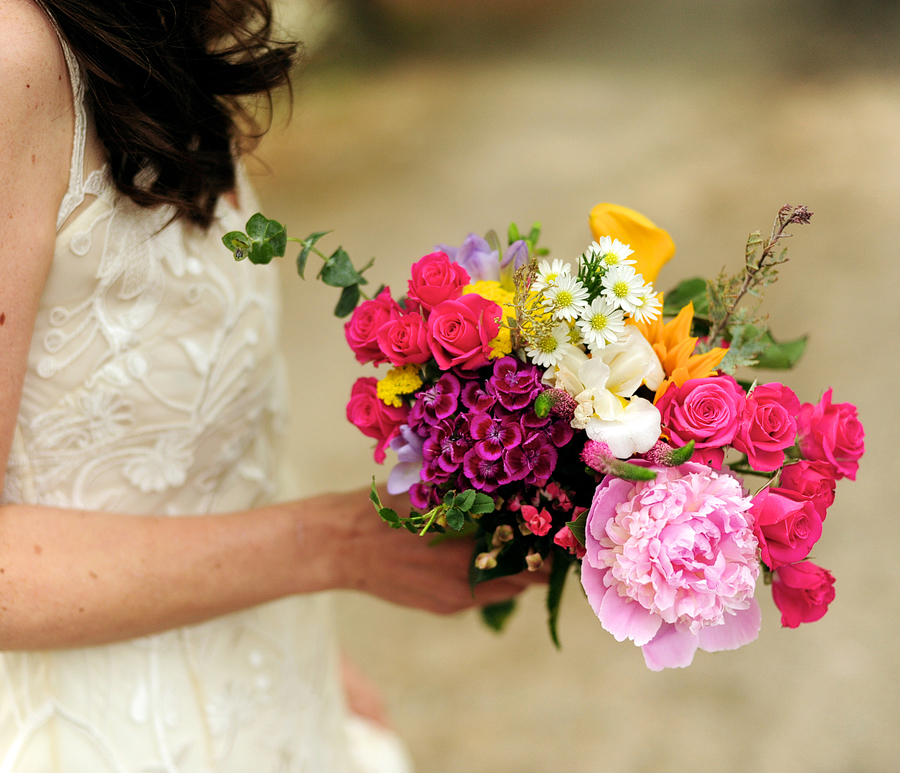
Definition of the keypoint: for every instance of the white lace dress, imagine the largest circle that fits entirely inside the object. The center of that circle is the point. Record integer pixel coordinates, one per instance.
(153, 386)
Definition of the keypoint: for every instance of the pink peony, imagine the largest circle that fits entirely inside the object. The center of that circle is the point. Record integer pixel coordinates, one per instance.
(813, 480)
(460, 331)
(802, 592)
(705, 410)
(435, 279)
(361, 330)
(404, 341)
(373, 417)
(769, 425)
(787, 525)
(833, 434)
(671, 563)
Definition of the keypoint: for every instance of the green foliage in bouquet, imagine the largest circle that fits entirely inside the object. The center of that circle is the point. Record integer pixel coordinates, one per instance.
(266, 239)
(716, 303)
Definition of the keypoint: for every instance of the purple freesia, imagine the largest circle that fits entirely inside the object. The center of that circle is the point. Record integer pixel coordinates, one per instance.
(407, 471)
(514, 258)
(476, 257)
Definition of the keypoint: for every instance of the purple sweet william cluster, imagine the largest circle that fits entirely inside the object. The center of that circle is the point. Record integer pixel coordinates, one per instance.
(483, 433)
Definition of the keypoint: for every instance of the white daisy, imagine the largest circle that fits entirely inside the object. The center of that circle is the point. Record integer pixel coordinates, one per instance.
(547, 350)
(601, 324)
(549, 273)
(623, 288)
(648, 308)
(612, 252)
(567, 299)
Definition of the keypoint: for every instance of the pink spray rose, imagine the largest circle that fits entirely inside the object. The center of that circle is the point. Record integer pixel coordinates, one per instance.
(802, 592)
(361, 330)
(768, 426)
(404, 341)
(833, 434)
(705, 410)
(435, 279)
(373, 417)
(539, 521)
(671, 563)
(460, 331)
(813, 480)
(787, 526)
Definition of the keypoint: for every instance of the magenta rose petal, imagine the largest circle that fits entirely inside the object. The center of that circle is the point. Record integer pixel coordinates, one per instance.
(624, 618)
(737, 630)
(670, 648)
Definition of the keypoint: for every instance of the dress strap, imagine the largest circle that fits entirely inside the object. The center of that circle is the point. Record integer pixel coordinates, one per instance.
(75, 191)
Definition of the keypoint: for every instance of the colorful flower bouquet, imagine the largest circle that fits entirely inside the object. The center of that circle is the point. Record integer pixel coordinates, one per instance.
(549, 411)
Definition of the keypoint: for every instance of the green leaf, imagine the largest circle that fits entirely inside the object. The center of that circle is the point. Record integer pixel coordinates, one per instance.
(513, 234)
(268, 239)
(389, 515)
(338, 271)
(535, 234)
(238, 242)
(559, 571)
(373, 495)
(578, 526)
(465, 500)
(306, 248)
(780, 356)
(493, 241)
(687, 291)
(495, 616)
(455, 518)
(347, 302)
(483, 504)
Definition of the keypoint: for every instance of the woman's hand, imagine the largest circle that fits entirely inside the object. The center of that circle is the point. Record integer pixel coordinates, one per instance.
(400, 567)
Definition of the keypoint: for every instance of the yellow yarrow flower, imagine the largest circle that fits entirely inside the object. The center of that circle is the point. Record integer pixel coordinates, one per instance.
(398, 381)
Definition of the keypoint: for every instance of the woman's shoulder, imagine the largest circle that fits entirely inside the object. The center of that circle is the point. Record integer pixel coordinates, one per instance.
(37, 120)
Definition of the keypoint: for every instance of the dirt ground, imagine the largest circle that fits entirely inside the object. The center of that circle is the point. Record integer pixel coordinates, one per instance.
(707, 117)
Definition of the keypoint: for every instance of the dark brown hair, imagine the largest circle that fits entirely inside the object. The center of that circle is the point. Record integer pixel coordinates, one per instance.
(165, 81)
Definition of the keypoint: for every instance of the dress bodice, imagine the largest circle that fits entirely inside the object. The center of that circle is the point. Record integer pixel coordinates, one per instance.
(153, 385)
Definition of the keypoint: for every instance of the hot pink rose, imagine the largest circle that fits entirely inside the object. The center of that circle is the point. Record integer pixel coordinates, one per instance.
(404, 340)
(671, 563)
(802, 592)
(705, 410)
(373, 417)
(787, 526)
(833, 434)
(813, 480)
(768, 426)
(460, 331)
(361, 330)
(435, 279)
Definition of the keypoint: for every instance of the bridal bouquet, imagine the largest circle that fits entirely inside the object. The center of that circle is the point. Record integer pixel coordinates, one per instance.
(565, 412)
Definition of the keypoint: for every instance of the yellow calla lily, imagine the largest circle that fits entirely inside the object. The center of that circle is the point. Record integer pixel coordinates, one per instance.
(652, 246)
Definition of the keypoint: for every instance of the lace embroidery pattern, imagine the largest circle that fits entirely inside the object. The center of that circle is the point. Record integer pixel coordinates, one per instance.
(153, 386)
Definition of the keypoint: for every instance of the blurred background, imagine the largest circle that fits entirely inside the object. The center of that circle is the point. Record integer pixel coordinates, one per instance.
(417, 121)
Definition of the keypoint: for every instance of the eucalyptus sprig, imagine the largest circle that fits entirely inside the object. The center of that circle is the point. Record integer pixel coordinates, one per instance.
(266, 239)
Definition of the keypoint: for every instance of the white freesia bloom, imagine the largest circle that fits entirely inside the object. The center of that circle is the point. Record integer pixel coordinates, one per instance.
(635, 433)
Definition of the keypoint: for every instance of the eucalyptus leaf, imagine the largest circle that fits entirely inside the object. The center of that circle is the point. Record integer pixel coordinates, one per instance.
(338, 271)
(238, 242)
(347, 302)
(306, 248)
